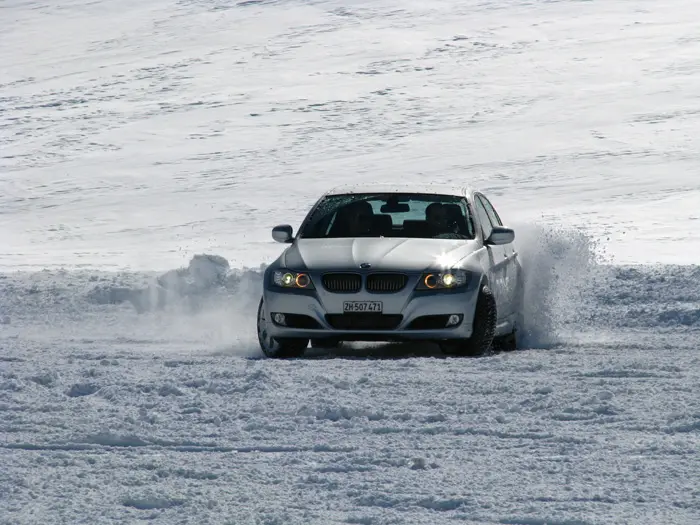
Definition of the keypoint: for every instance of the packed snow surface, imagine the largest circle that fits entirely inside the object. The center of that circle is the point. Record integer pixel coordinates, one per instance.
(147, 148)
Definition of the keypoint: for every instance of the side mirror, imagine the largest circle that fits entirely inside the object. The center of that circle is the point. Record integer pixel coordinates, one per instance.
(501, 235)
(282, 233)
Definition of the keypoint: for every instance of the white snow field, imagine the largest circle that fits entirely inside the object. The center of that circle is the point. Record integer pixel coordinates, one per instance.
(147, 148)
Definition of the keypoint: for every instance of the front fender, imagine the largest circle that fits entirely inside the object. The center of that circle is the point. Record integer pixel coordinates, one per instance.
(478, 263)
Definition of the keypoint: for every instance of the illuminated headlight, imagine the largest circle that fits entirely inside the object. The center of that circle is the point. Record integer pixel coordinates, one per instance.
(444, 280)
(288, 279)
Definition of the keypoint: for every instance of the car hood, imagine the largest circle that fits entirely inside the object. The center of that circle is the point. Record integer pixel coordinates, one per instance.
(385, 253)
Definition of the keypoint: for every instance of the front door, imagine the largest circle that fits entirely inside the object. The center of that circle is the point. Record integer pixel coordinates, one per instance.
(509, 256)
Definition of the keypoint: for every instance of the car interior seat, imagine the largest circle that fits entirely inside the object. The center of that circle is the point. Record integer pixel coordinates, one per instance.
(382, 225)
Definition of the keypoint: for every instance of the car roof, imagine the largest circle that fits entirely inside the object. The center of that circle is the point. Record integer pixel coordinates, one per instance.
(383, 187)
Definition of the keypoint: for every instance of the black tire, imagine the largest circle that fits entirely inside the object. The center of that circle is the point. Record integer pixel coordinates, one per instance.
(506, 343)
(481, 341)
(286, 348)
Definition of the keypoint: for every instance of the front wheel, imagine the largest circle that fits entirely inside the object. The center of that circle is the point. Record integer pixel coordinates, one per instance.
(485, 316)
(279, 348)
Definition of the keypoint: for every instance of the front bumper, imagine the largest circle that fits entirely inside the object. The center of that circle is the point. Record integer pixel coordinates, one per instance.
(407, 314)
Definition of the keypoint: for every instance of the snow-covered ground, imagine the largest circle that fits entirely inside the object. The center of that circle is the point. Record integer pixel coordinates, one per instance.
(135, 136)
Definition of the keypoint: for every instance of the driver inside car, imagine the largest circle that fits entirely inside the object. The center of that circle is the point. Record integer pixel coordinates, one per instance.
(437, 217)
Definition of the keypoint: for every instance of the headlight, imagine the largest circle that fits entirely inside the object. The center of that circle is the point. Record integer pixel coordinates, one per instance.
(443, 280)
(289, 279)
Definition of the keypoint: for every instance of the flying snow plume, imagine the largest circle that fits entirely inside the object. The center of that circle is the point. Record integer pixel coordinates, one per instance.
(560, 267)
(207, 301)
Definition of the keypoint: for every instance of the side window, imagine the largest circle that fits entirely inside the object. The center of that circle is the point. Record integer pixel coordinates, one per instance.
(483, 218)
(495, 219)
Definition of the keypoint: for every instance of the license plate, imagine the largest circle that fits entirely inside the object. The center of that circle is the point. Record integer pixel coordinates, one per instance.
(362, 306)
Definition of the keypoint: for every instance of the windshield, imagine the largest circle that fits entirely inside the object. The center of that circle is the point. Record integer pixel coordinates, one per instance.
(413, 215)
